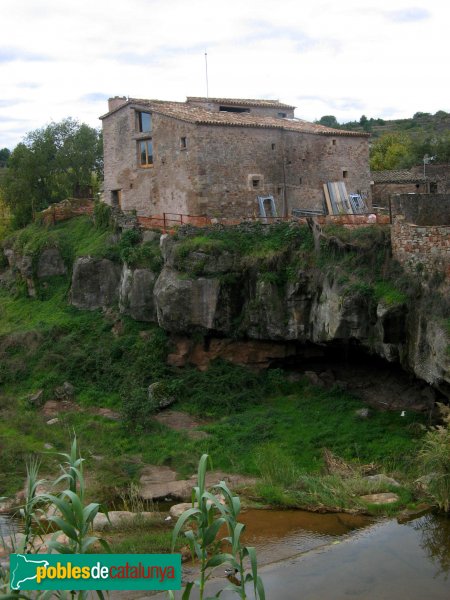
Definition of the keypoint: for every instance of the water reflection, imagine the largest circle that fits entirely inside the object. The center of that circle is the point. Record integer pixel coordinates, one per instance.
(435, 540)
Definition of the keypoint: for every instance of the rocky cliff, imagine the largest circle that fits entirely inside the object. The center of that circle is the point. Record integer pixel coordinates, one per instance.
(219, 296)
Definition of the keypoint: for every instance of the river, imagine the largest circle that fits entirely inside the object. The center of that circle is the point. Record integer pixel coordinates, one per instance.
(384, 560)
(311, 556)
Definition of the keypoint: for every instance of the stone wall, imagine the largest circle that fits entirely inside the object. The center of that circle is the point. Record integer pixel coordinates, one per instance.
(382, 191)
(440, 174)
(422, 209)
(420, 232)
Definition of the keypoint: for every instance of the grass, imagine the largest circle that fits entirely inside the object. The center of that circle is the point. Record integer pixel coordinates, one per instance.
(44, 342)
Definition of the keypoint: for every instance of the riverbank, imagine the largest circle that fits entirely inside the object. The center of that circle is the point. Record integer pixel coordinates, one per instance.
(111, 379)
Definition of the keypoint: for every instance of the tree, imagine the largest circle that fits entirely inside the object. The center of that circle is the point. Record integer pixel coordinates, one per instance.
(5, 153)
(51, 164)
(391, 151)
(329, 121)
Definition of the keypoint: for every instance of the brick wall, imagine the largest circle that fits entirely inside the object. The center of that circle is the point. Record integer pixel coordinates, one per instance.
(72, 207)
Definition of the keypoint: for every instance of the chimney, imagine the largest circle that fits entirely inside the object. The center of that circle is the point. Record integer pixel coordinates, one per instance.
(116, 102)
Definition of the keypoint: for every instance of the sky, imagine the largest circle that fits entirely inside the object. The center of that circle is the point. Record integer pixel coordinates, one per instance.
(346, 58)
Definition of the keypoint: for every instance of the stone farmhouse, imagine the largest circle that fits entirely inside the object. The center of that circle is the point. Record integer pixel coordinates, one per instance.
(215, 156)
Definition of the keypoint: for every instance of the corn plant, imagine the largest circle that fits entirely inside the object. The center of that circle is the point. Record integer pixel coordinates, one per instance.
(207, 517)
(71, 517)
(74, 519)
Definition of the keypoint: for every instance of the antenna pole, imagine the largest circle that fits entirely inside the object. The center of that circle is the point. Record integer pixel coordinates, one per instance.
(206, 71)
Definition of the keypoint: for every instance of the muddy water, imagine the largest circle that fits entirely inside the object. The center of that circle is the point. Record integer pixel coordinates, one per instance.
(280, 534)
(337, 557)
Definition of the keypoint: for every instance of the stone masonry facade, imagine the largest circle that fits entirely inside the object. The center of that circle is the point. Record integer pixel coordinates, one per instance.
(420, 232)
(215, 156)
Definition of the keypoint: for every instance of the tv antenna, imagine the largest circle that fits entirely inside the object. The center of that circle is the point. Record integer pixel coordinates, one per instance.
(206, 73)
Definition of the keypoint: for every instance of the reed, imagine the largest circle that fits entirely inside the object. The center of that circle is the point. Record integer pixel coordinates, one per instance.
(208, 515)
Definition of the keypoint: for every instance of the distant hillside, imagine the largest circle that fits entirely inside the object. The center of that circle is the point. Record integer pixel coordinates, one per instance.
(421, 124)
(402, 143)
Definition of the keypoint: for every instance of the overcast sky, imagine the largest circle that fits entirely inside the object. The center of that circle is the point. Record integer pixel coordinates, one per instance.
(381, 58)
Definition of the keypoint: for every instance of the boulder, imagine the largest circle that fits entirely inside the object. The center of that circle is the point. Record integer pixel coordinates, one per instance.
(119, 518)
(36, 399)
(50, 262)
(159, 396)
(382, 479)
(136, 294)
(159, 482)
(66, 391)
(184, 304)
(384, 498)
(95, 283)
(362, 413)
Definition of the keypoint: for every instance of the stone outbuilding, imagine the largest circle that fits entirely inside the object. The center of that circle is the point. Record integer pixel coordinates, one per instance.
(215, 156)
(400, 181)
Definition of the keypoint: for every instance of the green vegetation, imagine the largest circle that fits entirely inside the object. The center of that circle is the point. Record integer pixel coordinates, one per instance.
(208, 516)
(402, 143)
(45, 342)
(51, 164)
(66, 511)
(434, 458)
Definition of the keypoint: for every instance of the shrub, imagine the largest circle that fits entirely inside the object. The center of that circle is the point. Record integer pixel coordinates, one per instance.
(434, 458)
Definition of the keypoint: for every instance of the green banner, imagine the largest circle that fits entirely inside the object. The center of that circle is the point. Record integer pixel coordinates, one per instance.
(95, 571)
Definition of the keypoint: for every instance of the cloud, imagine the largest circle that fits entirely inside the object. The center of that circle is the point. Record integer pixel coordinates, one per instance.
(160, 54)
(332, 103)
(408, 15)
(95, 97)
(5, 103)
(29, 85)
(15, 54)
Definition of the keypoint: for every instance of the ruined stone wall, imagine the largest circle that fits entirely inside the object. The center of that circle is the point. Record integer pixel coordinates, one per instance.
(422, 209)
(437, 173)
(421, 249)
(382, 191)
(420, 232)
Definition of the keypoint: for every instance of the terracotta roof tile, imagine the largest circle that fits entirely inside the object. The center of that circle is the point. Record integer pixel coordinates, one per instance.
(241, 102)
(397, 176)
(201, 116)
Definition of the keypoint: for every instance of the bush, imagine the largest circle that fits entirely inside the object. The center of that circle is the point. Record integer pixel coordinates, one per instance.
(434, 457)
(102, 215)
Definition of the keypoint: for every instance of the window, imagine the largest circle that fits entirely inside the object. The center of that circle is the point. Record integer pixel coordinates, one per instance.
(273, 146)
(234, 109)
(183, 143)
(282, 115)
(300, 180)
(145, 149)
(334, 142)
(344, 174)
(144, 122)
(255, 183)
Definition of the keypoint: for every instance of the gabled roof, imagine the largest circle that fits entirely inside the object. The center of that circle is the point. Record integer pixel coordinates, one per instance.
(398, 176)
(201, 116)
(241, 102)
